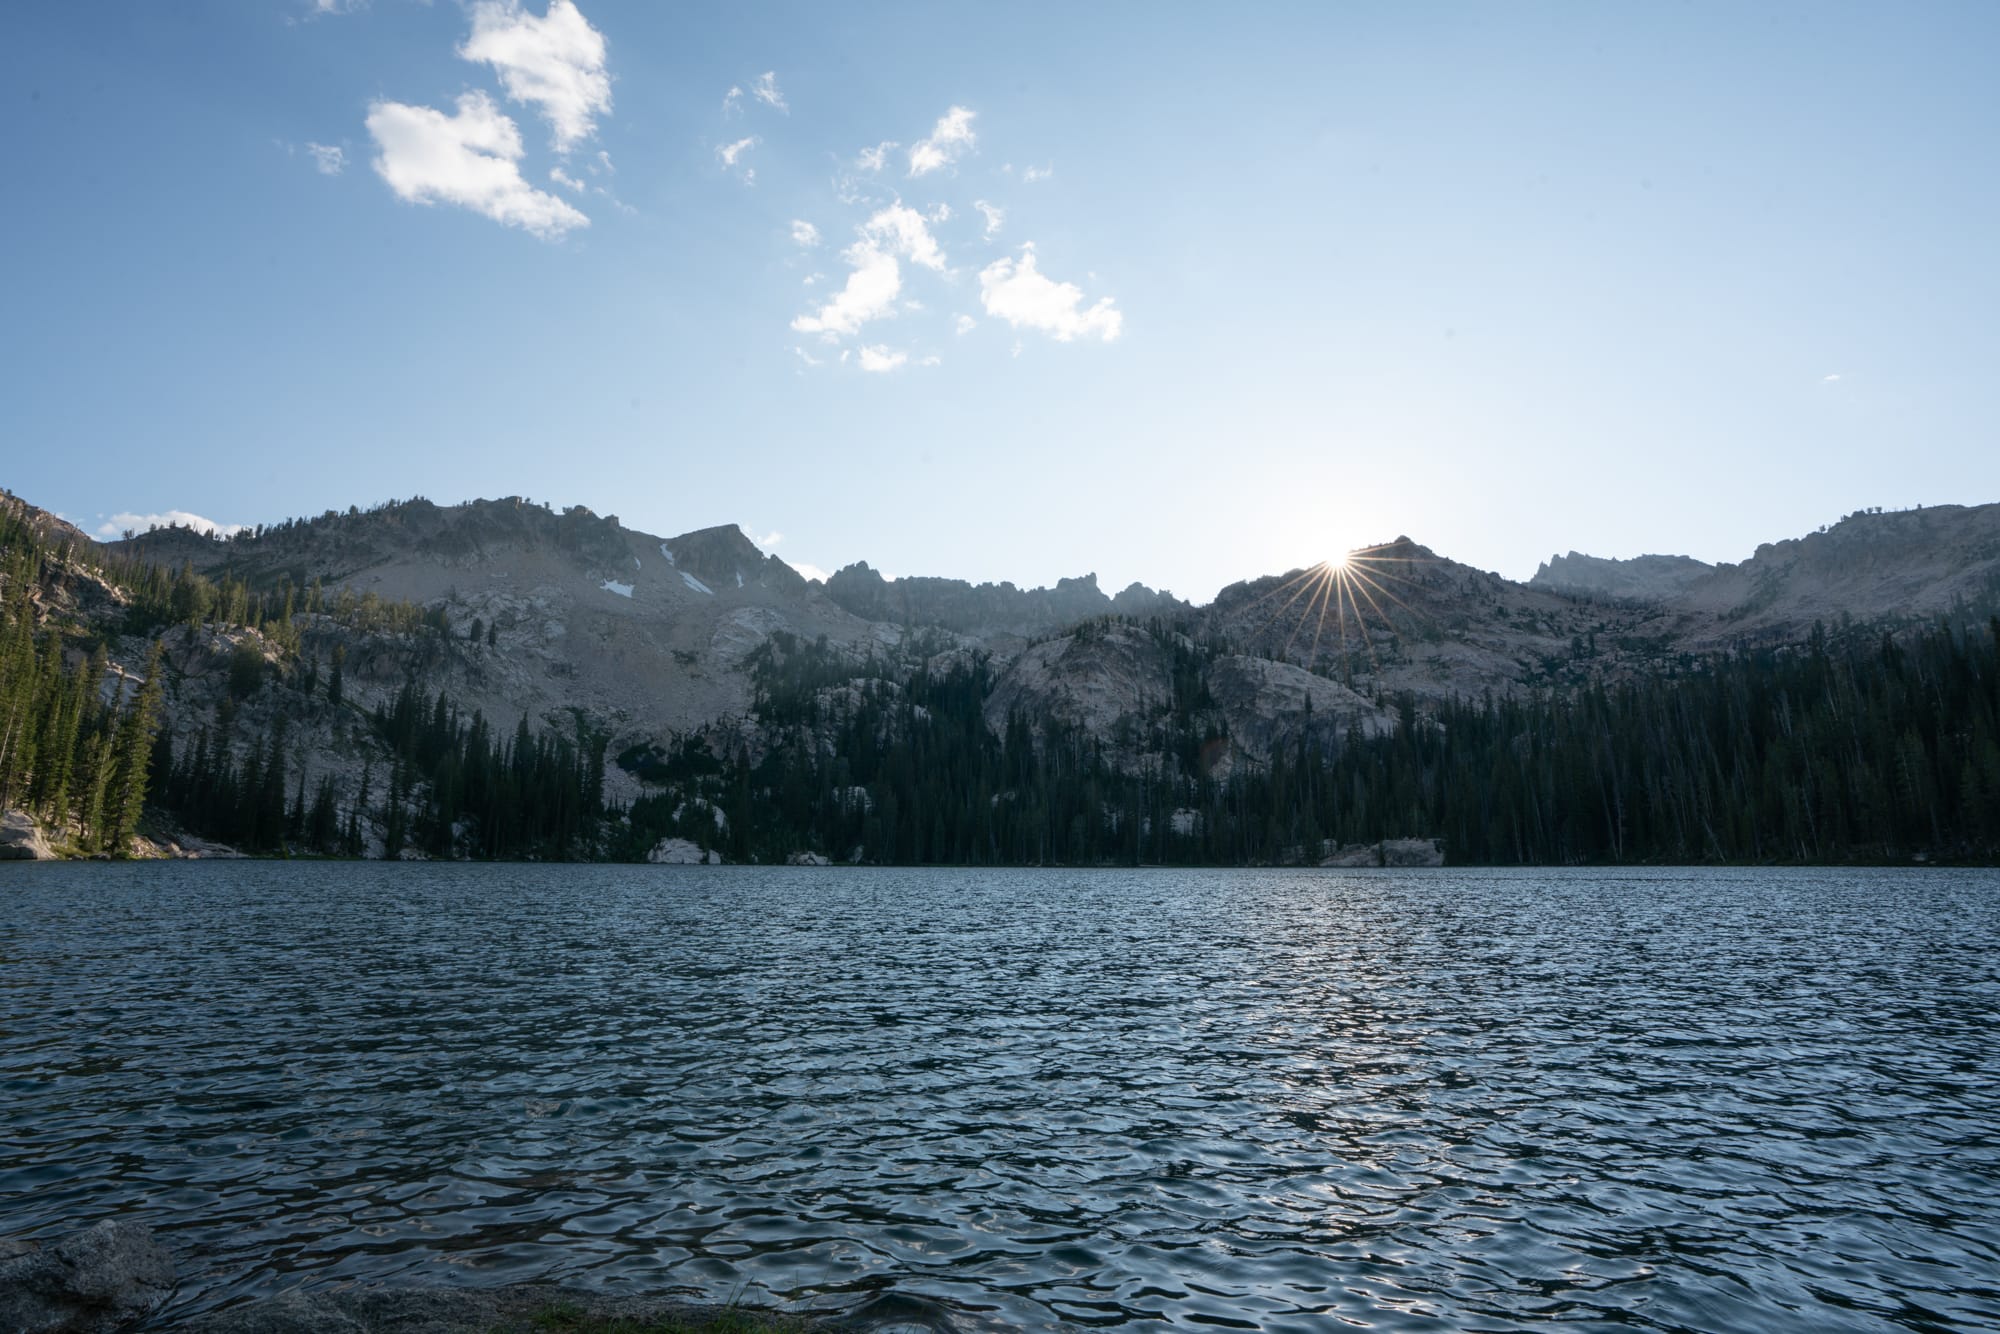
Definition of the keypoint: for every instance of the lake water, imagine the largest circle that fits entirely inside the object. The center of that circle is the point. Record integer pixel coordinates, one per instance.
(1709, 1100)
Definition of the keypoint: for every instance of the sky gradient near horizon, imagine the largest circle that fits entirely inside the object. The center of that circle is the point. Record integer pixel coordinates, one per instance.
(1170, 294)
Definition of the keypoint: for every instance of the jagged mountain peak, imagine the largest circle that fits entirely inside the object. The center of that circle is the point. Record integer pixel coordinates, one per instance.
(1649, 578)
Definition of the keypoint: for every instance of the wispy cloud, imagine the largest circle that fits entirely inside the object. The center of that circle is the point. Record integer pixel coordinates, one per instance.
(804, 233)
(117, 525)
(732, 101)
(1029, 175)
(1018, 292)
(993, 214)
(554, 63)
(330, 159)
(471, 159)
(567, 181)
(1829, 379)
(871, 159)
(879, 358)
(765, 90)
(948, 141)
(964, 324)
(732, 153)
(900, 229)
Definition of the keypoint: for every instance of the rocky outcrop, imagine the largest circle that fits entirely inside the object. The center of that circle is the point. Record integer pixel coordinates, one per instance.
(1389, 852)
(1273, 704)
(22, 840)
(95, 1281)
(682, 852)
(988, 609)
(1641, 578)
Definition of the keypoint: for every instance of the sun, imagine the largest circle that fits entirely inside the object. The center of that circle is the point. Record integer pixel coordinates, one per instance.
(1338, 597)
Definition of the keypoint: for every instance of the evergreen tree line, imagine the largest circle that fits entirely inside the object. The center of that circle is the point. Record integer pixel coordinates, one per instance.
(1872, 749)
(73, 758)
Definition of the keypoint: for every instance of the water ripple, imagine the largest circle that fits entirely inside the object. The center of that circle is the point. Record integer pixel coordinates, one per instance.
(1686, 1100)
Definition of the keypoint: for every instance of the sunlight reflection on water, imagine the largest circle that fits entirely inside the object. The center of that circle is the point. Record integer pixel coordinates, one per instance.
(1682, 1099)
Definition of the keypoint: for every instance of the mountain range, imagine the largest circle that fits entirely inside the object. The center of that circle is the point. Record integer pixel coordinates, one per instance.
(666, 646)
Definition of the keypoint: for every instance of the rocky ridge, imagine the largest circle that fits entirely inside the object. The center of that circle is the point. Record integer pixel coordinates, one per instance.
(659, 639)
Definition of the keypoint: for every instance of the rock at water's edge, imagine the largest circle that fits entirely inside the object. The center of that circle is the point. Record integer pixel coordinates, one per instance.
(92, 1282)
(22, 840)
(682, 852)
(1389, 852)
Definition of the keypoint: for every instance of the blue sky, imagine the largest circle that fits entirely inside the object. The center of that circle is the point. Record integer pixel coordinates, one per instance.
(1266, 283)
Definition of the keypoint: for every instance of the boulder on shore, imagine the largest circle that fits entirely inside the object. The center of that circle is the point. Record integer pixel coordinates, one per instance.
(1389, 852)
(682, 852)
(22, 840)
(92, 1282)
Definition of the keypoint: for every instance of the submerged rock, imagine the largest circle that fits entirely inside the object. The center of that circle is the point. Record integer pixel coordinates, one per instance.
(505, 1310)
(22, 840)
(92, 1282)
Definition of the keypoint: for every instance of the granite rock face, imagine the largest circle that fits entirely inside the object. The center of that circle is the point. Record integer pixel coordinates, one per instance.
(1641, 578)
(22, 840)
(95, 1281)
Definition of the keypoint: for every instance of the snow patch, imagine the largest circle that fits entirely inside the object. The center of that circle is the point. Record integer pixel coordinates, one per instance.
(739, 578)
(694, 583)
(636, 565)
(668, 554)
(613, 586)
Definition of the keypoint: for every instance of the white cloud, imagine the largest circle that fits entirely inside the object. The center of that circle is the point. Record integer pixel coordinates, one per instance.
(900, 230)
(871, 290)
(942, 213)
(732, 100)
(949, 138)
(566, 181)
(869, 293)
(116, 525)
(804, 233)
(329, 158)
(871, 159)
(470, 159)
(1029, 175)
(555, 62)
(1829, 379)
(805, 356)
(766, 91)
(730, 152)
(993, 214)
(965, 324)
(1018, 292)
(879, 359)
(809, 570)
(810, 279)
(913, 304)
(932, 360)
(769, 540)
